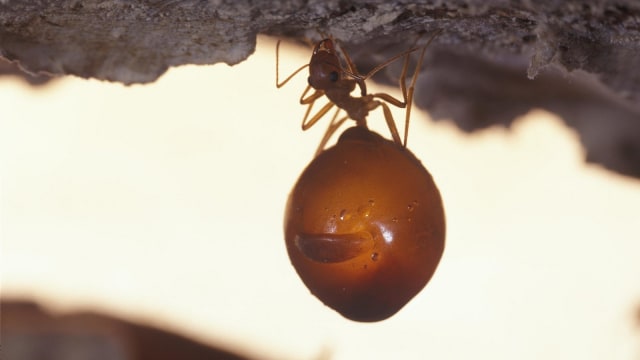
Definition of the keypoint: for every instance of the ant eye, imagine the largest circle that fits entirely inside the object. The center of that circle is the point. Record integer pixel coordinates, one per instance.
(309, 81)
(365, 249)
(333, 76)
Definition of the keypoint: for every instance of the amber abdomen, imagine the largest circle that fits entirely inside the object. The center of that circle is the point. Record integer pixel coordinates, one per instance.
(364, 226)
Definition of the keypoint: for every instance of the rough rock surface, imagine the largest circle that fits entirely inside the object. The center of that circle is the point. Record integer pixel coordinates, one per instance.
(493, 61)
(29, 332)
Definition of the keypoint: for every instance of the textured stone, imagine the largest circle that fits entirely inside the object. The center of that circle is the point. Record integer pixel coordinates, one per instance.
(493, 61)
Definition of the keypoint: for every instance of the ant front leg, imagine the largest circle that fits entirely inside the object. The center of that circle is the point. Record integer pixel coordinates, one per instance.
(310, 100)
(408, 94)
(278, 83)
(325, 109)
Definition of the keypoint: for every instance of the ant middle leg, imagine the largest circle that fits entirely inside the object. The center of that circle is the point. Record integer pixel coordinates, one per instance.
(278, 83)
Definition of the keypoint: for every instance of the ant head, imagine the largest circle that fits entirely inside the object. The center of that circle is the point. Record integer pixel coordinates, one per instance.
(325, 45)
(324, 68)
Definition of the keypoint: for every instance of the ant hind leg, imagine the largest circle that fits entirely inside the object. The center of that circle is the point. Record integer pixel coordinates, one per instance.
(391, 123)
(414, 78)
(409, 96)
(331, 129)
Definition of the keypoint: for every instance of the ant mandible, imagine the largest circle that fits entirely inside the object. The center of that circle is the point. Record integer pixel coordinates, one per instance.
(327, 76)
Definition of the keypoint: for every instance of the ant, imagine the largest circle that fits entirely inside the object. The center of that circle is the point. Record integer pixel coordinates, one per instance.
(362, 247)
(328, 76)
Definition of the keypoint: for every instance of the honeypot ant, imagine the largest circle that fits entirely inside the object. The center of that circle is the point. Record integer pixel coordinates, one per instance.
(327, 76)
(364, 224)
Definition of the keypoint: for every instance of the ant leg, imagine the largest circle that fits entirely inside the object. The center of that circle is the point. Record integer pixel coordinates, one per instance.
(390, 99)
(409, 98)
(353, 71)
(407, 94)
(396, 57)
(388, 117)
(280, 84)
(360, 79)
(311, 98)
(307, 124)
(333, 126)
(402, 82)
(389, 61)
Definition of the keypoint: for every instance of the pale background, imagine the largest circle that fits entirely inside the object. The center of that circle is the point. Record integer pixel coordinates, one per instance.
(164, 204)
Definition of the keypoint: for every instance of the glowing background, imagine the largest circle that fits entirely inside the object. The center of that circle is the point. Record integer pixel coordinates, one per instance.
(164, 204)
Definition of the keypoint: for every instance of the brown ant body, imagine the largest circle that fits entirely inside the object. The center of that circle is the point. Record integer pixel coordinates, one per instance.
(328, 77)
(364, 224)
